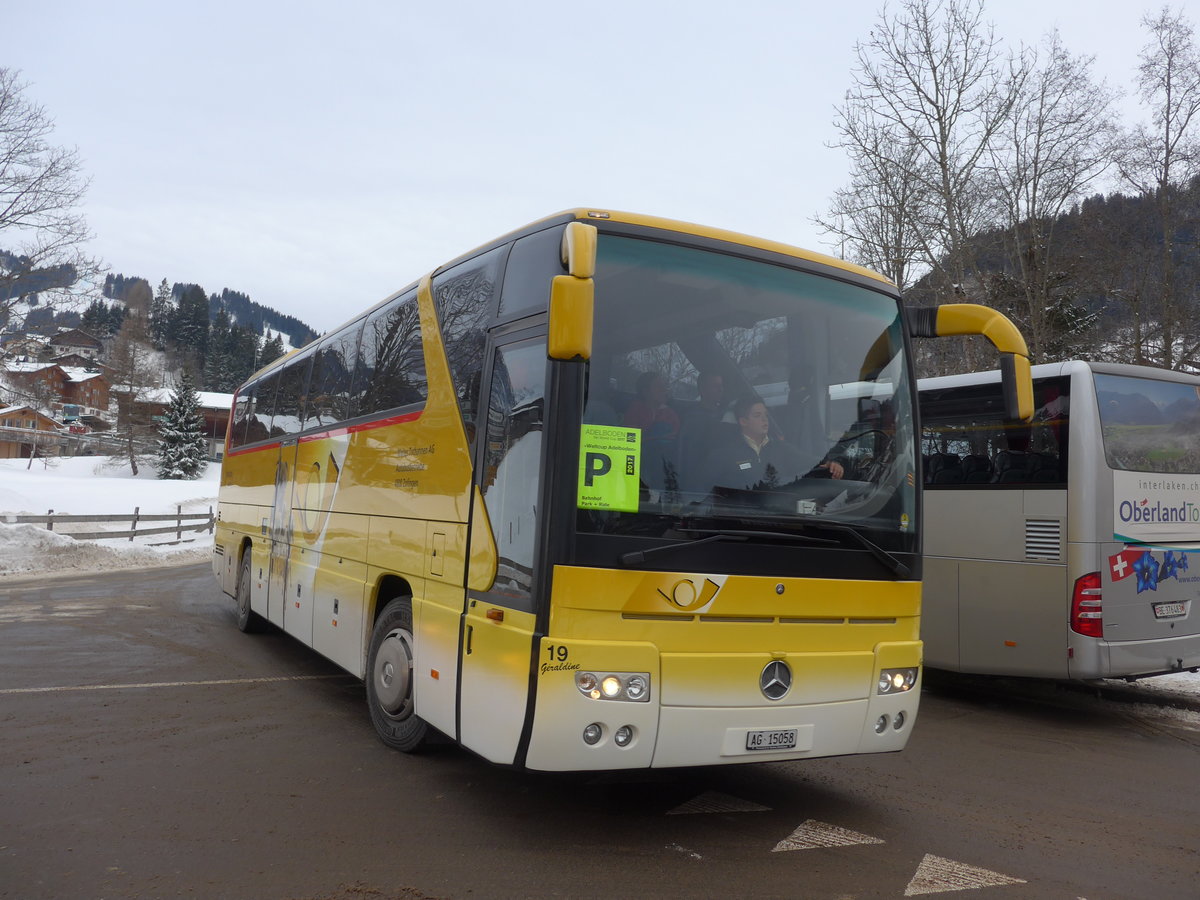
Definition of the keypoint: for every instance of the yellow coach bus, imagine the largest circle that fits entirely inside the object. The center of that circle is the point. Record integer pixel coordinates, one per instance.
(609, 492)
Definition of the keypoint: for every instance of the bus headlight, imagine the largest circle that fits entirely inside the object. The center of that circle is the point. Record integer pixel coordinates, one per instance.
(630, 686)
(635, 687)
(896, 681)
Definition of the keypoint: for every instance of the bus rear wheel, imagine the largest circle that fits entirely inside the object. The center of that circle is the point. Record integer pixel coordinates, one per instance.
(390, 695)
(247, 619)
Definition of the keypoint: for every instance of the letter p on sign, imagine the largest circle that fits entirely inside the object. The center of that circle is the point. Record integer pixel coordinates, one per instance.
(595, 465)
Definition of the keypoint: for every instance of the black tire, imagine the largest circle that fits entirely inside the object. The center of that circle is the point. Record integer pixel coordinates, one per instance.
(247, 619)
(389, 676)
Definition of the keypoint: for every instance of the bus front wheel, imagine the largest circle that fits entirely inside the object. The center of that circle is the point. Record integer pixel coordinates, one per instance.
(390, 695)
(247, 619)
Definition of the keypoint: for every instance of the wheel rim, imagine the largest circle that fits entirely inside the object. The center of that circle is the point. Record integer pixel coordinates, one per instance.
(392, 674)
(243, 595)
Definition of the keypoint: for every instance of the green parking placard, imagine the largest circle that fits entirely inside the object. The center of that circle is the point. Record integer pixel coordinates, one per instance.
(609, 466)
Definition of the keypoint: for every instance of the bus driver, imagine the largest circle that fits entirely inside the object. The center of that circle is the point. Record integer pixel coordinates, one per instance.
(757, 459)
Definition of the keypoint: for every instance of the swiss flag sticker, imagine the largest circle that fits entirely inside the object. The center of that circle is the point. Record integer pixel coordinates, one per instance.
(1121, 565)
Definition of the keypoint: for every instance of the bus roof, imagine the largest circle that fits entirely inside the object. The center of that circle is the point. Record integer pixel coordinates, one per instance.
(1066, 367)
(598, 216)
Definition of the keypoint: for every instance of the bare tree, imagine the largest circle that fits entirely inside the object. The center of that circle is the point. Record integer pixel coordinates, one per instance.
(1160, 158)
(875, 218)
(1056, 141)
(933, 81)
(42, 233)
(134, 378)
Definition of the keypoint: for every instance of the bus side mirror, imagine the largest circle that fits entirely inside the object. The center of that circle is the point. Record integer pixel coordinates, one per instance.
(571, 303)
(1016, 379)
(572, 295)
(579, 249)
(973, 318)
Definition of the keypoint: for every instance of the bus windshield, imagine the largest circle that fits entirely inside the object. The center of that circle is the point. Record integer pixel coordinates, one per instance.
(1149, 425)
(749, 395)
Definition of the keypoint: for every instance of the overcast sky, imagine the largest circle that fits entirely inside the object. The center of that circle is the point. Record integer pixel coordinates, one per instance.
(319, 156)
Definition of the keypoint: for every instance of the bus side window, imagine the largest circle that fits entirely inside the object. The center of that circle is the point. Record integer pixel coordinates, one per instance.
(465, 297)
(259, 427)
(532, 265)
(289, 402)
(968, 441)
(512, 463)
(241, 412)
(390, 371)
(331, 390)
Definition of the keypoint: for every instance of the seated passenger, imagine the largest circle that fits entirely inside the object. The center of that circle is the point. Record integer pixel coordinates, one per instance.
(702, 427)
(660, 430)
(649, 410)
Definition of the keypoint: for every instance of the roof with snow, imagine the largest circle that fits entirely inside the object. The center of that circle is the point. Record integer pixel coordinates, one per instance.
(29, 366)
(78, 373)
(208, 399)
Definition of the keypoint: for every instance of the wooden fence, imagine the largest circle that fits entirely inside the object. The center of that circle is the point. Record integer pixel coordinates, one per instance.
(183, 522)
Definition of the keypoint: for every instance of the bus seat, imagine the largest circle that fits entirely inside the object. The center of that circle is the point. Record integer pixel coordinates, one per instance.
(1044, 468)
(1012, 467)
(976, 469)
(945, 468)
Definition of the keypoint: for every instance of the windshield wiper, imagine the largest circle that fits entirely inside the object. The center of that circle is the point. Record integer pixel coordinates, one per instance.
(749, 533)
(891, 562)
(638, 556)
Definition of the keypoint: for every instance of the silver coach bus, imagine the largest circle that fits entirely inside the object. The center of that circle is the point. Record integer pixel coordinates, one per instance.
(1068, 547)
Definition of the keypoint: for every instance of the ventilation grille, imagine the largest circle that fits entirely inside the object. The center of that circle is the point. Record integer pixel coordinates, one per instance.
(1043, 539)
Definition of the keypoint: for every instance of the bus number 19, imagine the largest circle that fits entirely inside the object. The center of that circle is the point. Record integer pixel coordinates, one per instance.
(557, 654)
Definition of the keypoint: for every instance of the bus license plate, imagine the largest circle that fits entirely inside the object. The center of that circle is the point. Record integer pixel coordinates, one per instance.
(1169, 610)
(777, 739)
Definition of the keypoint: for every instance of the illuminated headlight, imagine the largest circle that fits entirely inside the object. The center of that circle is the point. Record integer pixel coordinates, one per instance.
(897, 681)
(632, 686)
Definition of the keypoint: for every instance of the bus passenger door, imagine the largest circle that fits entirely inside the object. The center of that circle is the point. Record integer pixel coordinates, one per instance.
(281, 534)
(499, 621)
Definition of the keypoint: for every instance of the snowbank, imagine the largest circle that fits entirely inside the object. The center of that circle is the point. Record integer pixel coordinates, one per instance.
(92, 486)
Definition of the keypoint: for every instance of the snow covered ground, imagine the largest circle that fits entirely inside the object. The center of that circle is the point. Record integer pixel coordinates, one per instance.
(89, 485)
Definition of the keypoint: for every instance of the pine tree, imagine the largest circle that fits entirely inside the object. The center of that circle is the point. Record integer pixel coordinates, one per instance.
(218, 367)
(272, 350)
(181, 450)
(190, 325)
(161, 308)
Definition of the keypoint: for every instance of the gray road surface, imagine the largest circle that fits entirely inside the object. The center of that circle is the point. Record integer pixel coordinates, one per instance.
(148, 749)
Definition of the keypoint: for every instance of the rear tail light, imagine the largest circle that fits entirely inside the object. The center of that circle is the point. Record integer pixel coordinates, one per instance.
(1087, 617)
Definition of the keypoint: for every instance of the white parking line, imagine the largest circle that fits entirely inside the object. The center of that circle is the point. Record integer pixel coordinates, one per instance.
(163, 684)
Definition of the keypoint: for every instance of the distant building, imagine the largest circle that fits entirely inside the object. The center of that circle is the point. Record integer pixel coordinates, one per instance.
(77, 341)
(25, 432)
(81, 362)
(24, 346)
(53, 387)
